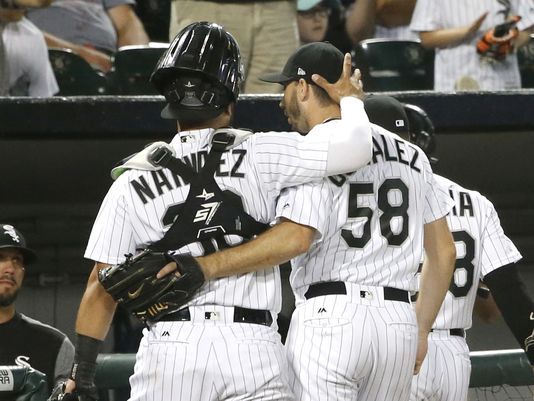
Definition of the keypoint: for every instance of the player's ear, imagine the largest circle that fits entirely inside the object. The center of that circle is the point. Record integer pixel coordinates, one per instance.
(303, 90)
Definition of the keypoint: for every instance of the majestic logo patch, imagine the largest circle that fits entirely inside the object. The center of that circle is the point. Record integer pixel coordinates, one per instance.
(300, 71)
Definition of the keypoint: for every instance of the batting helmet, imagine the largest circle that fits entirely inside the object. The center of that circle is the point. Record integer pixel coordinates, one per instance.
(421, 130)
(200, 73)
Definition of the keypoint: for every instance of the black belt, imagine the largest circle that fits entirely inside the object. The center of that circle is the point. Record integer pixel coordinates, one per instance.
(241, 315)
(452, 332)
(339, 288)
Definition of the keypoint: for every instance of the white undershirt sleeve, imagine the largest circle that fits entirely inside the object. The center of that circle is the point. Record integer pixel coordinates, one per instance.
(351, 146)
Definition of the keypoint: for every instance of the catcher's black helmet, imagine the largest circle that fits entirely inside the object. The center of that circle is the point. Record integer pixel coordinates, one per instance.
(421, 130)
(200, 73)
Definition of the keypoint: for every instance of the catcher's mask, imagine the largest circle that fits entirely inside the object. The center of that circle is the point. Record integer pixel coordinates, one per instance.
(421, 130)
(200, 73)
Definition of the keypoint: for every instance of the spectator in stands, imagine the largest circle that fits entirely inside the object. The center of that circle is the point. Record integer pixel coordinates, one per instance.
(266, 31)
(24, 66)
(323, 20)
(454, 27)
(92, 29)
(26, 341)
(379, 19)
(312, 20)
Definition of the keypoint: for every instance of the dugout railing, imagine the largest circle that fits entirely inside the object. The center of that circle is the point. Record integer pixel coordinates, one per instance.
(489, 368)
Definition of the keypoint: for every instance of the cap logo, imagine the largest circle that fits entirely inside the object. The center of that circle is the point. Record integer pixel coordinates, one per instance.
(189, 85)
(399, 123)
(300, 71)
(10, 230)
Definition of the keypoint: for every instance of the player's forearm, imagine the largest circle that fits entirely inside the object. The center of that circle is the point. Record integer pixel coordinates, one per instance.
(351, 147)
(436, 275)
(443, 37)
(96, 309)
(433, 286)
(277, 245)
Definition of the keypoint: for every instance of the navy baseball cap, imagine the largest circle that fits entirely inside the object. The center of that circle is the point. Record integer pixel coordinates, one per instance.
(321, 58)
(387, 112)
(10, 237)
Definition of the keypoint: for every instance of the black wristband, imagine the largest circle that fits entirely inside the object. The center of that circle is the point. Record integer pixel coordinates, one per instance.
(84, 366)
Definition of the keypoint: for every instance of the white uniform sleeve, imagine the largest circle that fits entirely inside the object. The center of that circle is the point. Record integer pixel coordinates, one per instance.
(286, 159)
(308, 204)
(526, 11)
(497, 249)
(42, 81)
(426, 16)
(112, 235)
(351, 146)
(438, 202)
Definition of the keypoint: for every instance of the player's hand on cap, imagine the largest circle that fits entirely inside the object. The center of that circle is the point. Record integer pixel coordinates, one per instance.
(346, 85)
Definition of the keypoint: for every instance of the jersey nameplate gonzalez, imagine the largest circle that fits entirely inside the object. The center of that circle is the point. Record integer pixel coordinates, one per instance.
(6, 380)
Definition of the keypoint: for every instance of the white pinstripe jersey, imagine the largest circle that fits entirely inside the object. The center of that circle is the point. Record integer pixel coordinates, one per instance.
(375, 234)
(27, 57)
(454, 62)
(132, 214)
(481, 247)
(399, 33)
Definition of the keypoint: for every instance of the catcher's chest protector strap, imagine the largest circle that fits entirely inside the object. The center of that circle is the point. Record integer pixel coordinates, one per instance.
(208, 213)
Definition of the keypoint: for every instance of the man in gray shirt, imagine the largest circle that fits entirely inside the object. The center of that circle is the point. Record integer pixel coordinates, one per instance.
(94, 29)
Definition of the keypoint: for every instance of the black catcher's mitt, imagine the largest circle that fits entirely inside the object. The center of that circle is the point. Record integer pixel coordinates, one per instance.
(133, 284)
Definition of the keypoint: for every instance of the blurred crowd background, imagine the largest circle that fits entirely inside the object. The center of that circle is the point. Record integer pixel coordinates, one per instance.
(109, 47)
